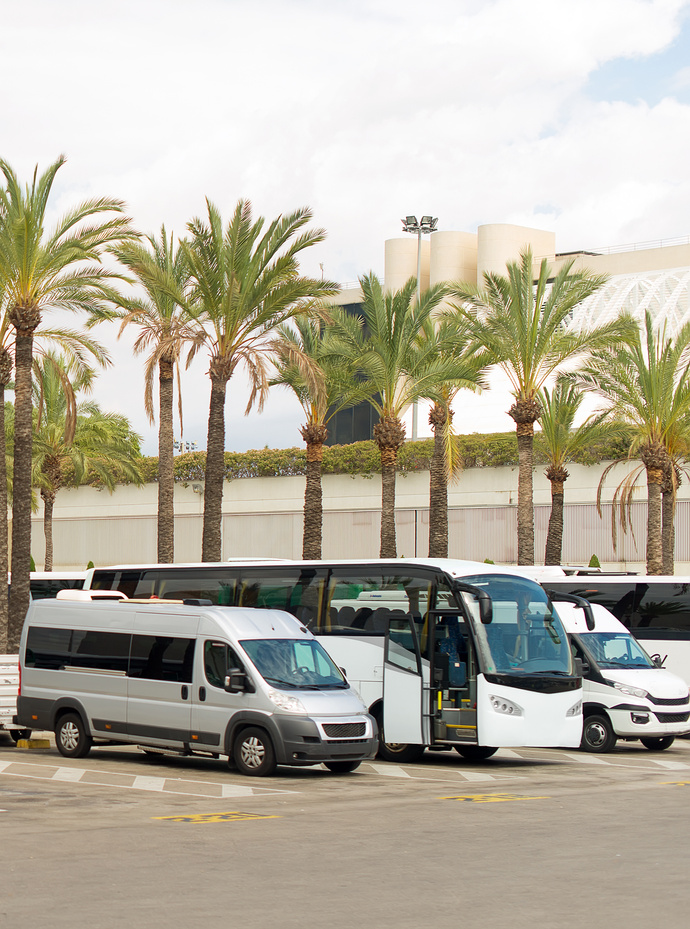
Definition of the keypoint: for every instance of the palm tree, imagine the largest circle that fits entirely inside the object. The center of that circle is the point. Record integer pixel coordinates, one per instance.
(244, 283)
(41, 271)
(562, 441)
(77, 438)
(645, 383)
(450, 341)
(400, 367)
(164, 327)
(324, 383)
(519, 322)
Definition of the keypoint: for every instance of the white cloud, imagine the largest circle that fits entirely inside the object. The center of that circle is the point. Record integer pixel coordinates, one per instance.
(475, 111)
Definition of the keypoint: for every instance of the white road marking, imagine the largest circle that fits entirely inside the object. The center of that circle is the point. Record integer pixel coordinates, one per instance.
(673, 765)
(163, 785)
(389, 770)
(586, 759)
(149, 783)
(68, 774)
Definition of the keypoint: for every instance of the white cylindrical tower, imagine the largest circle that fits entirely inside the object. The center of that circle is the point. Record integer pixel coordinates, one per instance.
(499, 243)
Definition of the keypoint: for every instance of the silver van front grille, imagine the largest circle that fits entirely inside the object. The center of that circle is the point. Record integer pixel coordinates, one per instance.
(344, 730)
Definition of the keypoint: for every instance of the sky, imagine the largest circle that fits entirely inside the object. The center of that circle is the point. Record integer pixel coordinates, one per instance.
(568, 115)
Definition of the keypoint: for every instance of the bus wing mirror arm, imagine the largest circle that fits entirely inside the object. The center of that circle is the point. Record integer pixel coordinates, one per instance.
(580, 602)
(483, 599)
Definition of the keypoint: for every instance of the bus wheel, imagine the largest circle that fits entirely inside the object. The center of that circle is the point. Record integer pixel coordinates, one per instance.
(659, 744)
(397, 752)
(598, 734)
(253, 753)
(342, 767)
(475, 752)
(17, 734)
(71, 737)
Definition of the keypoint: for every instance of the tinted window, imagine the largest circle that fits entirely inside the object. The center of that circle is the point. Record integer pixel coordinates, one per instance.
(298, 592)
(218, 659)
(364, 602)
(162, 658)
(47, 648)
(105, 651)
(650, 610)
(47, 588)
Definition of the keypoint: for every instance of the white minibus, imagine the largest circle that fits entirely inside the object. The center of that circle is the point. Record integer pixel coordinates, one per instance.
(626, 694)
(445, 654)
(252, 685)
(655, 608)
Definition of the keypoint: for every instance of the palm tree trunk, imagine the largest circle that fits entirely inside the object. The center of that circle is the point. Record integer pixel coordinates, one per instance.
(315, 436)
(21, 494)
(389, 434)
(48, 505)
(388, 548)
(525, 508)
(554, 536)
(438, 485)
(668, 527)
(655, 563)
(166, 478)
(215, 465)
(5, 376)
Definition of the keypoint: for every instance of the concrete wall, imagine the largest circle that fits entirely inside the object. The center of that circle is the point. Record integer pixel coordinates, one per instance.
(263, 517)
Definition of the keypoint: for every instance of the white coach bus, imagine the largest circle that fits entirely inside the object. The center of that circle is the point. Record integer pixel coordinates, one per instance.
(445, 654)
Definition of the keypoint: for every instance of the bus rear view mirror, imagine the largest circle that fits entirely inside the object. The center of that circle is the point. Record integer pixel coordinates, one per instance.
(236, 681)
(580, 602)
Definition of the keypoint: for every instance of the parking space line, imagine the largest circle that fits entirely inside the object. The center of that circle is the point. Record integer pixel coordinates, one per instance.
(672, 765)
(68, 774)
(389, 770)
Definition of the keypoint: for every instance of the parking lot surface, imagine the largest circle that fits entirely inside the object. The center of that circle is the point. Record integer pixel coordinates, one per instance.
(549, 837)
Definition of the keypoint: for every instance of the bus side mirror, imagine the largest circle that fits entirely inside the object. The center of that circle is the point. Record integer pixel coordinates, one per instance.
(579, 667)
(236, 681)
(486, 612)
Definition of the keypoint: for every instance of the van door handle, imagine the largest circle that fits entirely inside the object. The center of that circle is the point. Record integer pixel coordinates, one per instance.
(202, 694)
(185, 692)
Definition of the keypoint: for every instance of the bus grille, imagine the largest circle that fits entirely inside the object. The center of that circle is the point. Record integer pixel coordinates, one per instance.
(672, 717)
(674, 701)
(344, 730)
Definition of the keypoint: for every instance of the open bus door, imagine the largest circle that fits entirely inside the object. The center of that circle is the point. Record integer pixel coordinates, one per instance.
(404, 716)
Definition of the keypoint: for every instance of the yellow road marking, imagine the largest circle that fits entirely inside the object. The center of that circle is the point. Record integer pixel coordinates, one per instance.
(230, 817)
(491, 798)
(677, 783)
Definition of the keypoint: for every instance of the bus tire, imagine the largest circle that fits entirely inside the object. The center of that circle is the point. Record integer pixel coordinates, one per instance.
(253, 753)
(475, 752)
(658, 743)
(397, 752)
(342, 767)
(71, 738)
(598, 735)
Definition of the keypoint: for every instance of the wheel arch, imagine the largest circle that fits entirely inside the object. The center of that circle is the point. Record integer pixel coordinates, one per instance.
(248, 719)
(69, 705)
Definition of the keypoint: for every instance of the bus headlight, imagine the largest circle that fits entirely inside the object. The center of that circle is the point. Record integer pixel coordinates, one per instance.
(629, 689)
(506, 707)
(575, 709)
(286, 702)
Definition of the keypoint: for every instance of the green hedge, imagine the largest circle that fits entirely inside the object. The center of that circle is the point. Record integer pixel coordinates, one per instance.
(476, 451)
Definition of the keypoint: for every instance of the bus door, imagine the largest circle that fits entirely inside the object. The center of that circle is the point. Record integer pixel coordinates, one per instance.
(404, 716)
(454, 678)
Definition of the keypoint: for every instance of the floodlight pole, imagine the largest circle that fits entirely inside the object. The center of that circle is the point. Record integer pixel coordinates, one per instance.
(426, 225)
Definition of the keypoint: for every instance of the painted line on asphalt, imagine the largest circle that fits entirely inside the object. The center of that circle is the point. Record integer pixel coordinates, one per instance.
(231, 817)
(491, 798)
(164, 785)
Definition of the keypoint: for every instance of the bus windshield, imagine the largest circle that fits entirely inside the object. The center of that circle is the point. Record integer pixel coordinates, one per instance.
(525, 636)
(615, 650)
(295, 664)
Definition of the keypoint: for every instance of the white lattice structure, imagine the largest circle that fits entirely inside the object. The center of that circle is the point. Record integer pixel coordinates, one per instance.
(666, 294)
